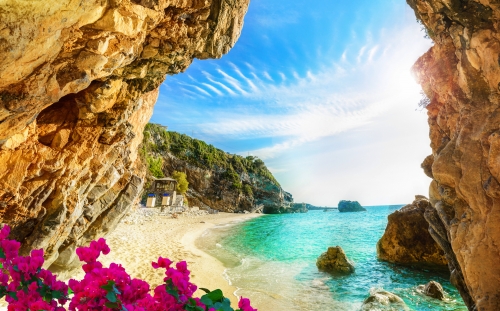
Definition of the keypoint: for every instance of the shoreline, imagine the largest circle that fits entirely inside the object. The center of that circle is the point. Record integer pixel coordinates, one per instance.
(135, 246)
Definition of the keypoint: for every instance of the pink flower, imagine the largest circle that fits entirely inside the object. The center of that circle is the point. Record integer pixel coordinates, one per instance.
(101, 289)
(244, 305)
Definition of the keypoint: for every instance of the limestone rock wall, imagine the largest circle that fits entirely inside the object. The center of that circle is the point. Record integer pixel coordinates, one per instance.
(78, 81)
(461, 77)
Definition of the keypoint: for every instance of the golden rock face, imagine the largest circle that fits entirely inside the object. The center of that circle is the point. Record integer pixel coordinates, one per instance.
(406, 239)
(461, 77)
(78, 82)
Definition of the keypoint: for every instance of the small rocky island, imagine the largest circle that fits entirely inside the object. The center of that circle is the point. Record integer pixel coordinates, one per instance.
(350, 206)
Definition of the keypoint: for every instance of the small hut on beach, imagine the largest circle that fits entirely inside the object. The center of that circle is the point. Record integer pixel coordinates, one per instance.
(162, 192)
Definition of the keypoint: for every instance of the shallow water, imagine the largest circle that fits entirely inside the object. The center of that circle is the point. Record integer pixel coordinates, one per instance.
(272, 260)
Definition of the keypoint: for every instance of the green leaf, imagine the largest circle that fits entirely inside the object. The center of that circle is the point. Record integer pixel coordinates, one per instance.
(205, 290)
(206, 301)
(2, 254)
(57, 294)
(171, 289)
(194, 308)
(12, 294)
(70, 291)
(109, 286)
(111, 296)
(225, 305)
(111, 305)
(215, 296)
(3, 291)
(173, 292)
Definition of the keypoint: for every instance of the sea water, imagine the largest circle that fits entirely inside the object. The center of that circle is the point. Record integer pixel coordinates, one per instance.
(272, 261)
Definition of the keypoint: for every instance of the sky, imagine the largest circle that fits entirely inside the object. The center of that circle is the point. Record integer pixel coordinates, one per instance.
(322, 91)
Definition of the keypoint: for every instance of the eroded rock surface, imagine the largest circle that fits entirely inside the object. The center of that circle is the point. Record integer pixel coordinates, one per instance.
(78, 81)
(406, 239)
(460, 75)
(432, 289)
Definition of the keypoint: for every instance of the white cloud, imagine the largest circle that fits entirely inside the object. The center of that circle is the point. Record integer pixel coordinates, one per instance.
(361, 53)
(211, 79)
(213, 89)
(334, 100)
(372, 52)
(267, 76)
(233, 82)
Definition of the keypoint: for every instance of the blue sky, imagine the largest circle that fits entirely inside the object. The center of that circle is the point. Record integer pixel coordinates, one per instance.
(322, 92)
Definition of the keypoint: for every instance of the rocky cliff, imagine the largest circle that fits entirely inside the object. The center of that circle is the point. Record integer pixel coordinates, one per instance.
(460, 75)
(406, 239)
(222, 181)
(78, 81)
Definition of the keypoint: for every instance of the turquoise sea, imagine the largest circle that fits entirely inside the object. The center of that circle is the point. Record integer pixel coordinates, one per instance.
(272, 260)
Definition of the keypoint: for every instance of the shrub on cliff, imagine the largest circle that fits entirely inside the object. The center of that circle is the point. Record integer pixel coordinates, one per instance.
(182, 183)
(247, 190)
(27, 286)
(155, 166)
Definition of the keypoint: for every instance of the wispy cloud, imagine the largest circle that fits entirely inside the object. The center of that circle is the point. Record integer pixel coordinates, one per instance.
(213, 89)
(361, 53)
(233, 82)
(223, 86)
(336, 98)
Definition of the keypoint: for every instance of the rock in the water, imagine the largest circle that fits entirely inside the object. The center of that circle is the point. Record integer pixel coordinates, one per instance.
(432, 289)
(380, 300)
(350, 206)
(335, 260)
(406, 239)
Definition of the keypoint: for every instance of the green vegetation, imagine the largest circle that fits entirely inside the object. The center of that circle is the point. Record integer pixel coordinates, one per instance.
(198, 153)
(155, 166)
(182, 183)
(247, 190)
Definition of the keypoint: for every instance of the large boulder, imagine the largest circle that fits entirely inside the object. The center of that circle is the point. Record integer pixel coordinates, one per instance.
(335, 260)
(350, 206)
(407, 240)
(381, 300)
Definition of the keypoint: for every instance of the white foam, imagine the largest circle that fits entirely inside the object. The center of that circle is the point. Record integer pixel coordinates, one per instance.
(226, 276)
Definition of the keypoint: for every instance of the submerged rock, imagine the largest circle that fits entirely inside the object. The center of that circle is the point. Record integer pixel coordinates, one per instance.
(407, 240)
(432, 289)
(350, 206)
(335, 260)
(380, 299)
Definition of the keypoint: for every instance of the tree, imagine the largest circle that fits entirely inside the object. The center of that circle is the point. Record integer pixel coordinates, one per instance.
(155, 166)
(182, 183)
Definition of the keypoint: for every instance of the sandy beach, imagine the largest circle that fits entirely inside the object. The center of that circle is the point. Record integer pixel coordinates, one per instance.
(135, 246)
